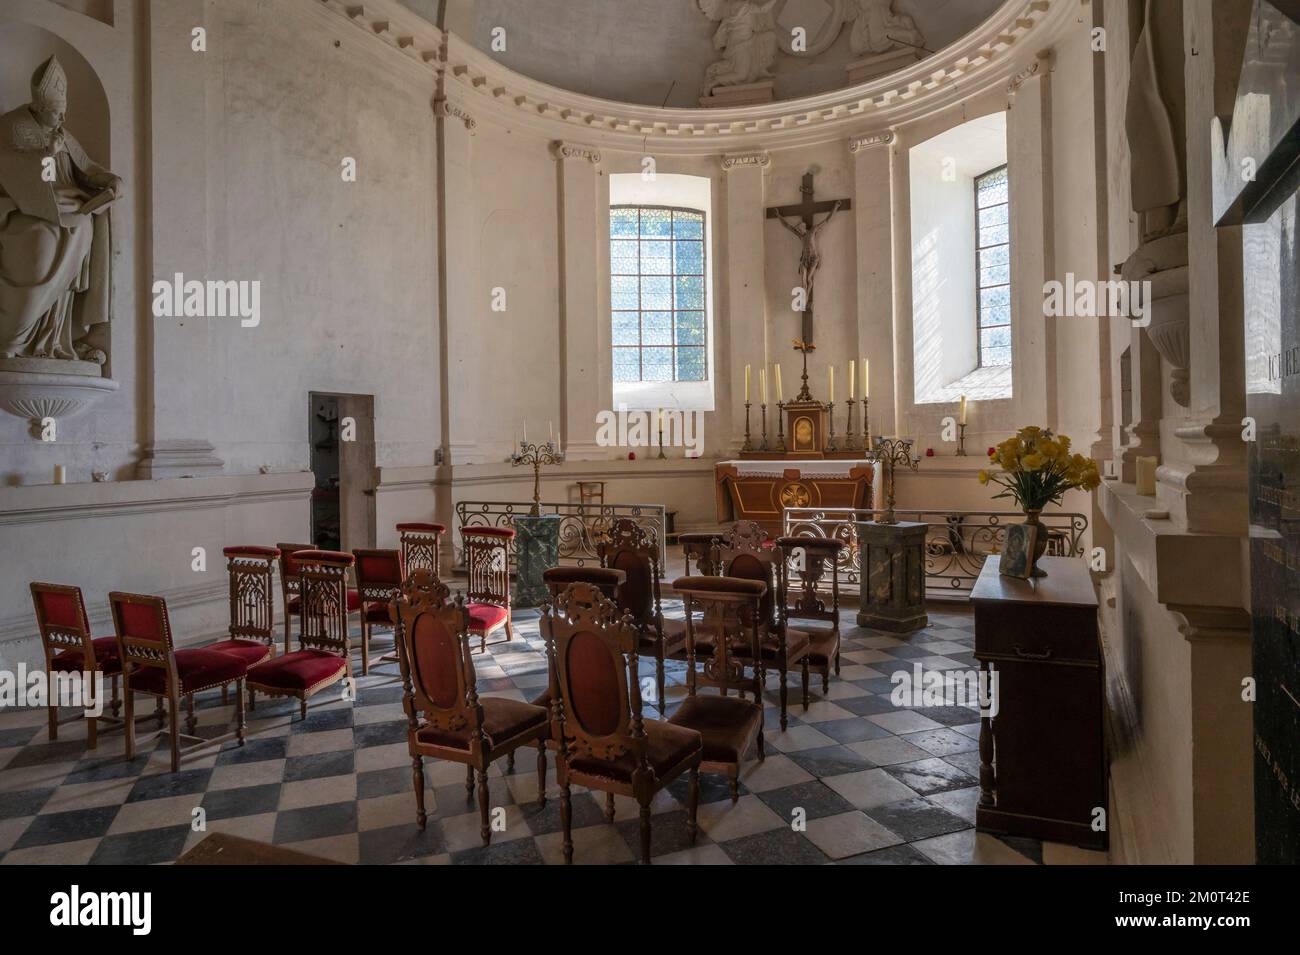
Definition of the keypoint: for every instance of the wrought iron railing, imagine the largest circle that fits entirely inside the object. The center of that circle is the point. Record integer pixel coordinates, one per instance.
(582, 526)
(955, 546)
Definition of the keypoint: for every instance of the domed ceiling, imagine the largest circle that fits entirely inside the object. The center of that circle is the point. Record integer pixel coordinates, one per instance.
(657, 52)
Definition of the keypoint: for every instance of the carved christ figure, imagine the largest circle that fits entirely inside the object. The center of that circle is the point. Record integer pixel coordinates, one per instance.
(55, 259)
(809, 257)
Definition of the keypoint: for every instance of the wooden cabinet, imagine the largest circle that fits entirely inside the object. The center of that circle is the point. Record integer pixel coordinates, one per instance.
(1042, 749)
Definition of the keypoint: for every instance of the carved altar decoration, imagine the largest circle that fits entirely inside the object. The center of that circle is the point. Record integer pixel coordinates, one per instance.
(746, 40)
(759, 491)
(1153, 119)
(55, 258)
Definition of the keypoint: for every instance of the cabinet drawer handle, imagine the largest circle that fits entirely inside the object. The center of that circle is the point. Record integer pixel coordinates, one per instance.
(1026, 655)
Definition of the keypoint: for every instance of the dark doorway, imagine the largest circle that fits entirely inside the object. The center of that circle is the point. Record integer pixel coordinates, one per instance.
(343, 462)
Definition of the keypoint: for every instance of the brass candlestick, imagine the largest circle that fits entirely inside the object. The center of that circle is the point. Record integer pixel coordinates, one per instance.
(888, 453)
(804, 348)
(961, 440)
(763, 412)
(780, 426)
(661, 437)
(848, 425)
(866, 427)
(747, 446)
(537, 455)
(830, 439)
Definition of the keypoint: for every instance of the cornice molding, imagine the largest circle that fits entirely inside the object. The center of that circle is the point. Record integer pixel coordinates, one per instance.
(981, 60)
(444, 109)
(568, 150)
(1018, 80)
(857, 143)
(758, 157)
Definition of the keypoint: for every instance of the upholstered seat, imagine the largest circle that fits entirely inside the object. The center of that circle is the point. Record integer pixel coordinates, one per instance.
(199, 668)
(503, 719)
(796, 644)
(484, 618)
(727, 724)
(667, 747)
(822, 644)
(250, 651)
(299, 671)
(106, 657)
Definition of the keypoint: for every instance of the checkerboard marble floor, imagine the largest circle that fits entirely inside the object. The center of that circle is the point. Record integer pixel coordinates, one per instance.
(878, 784)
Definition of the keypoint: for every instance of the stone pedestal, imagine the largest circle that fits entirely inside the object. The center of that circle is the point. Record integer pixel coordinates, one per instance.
(537, 547)
(869, 67)
(746, 94)
(893, 576)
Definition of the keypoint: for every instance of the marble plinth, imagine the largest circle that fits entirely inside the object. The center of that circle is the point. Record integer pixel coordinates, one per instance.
(893, 576)
(537, 547)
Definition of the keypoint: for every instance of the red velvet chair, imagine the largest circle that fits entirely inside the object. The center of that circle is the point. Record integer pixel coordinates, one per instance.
(379, 577)
(70, 648)
(323, 657)
(630, 549)
(487, 594)
(252, 606)
(781, 647)
(291, 583)
(151, 664)
(802, 569)
(729, 725)
(421, 546)
(604, 743)
(446, 718)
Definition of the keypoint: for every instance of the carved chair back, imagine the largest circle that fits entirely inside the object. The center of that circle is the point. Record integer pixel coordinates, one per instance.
(144, 634)
(252, 603)
(323, 604)
(749, 562)
(487, 564)
(729, 607)
(438, 681)
(698, 546)
(379, 575)
(630, 549)
(749, 534)
(421, 546)
(290, 579)
(608, 582)
(61, 618)
(802, 569)
(594, 683)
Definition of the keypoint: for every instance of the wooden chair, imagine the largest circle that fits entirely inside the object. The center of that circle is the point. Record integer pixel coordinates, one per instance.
(729, 725)
(291, 584)
(487, 594)
(604, 744)
(379, 577)
(324, 654)
(69, 648)
(630, 549)
(252, 608)
(151, 664)
(698, 546)
(446, 718)
(421, 546)
(780, 648)
(805, 559)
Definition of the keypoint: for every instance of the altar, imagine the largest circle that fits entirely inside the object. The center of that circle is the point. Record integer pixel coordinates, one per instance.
(759, 490)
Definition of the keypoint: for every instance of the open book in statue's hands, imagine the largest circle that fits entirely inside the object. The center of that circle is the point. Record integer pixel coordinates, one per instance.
(98, 201)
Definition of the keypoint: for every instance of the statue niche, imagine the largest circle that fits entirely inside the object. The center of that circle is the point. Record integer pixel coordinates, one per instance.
(55, 256)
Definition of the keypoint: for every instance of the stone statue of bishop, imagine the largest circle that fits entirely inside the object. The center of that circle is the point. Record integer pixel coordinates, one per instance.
(55, 255)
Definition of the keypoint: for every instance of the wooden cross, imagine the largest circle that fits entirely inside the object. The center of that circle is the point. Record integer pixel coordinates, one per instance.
(807, 229)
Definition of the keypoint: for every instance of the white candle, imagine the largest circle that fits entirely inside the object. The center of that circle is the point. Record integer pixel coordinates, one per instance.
(831, 369)
(852, 378)
(525, 431)
(865, 393)
(1146, 475)
(762, 383)
(779, 396)
(747, 383)
(60, 474)
(963, 410)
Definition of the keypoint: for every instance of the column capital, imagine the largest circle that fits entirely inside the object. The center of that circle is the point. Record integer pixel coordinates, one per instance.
(858, 143)
(563, 149)
(758, 158)
(444, 108)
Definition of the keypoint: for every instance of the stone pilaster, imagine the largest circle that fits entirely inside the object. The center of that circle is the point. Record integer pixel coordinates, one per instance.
(746, 318)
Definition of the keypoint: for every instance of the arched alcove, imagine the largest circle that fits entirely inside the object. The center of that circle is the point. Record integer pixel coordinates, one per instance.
(23, 48)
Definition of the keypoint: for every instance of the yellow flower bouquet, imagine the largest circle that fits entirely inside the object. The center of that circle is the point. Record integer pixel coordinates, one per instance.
(1037, 468)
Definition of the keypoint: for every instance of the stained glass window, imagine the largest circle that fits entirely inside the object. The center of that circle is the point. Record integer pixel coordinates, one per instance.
(993, 268)
(657, 294)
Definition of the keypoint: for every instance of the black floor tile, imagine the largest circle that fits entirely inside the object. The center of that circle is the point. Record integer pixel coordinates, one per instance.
(315, 822)
(916, 819)
(814, 797)
(71, 826)
(147, 847)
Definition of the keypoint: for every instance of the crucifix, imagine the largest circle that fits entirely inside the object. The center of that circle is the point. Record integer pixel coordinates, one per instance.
(806, 228)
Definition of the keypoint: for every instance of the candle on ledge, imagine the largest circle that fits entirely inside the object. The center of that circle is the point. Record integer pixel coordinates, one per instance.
(1146, 475)
(779, 395)
(550, 429)
(962, 420)
(525, 431)
(865, 393)
(831, 369)
(852, 378)
(60, 474)
(762, 384)
(747, 383)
